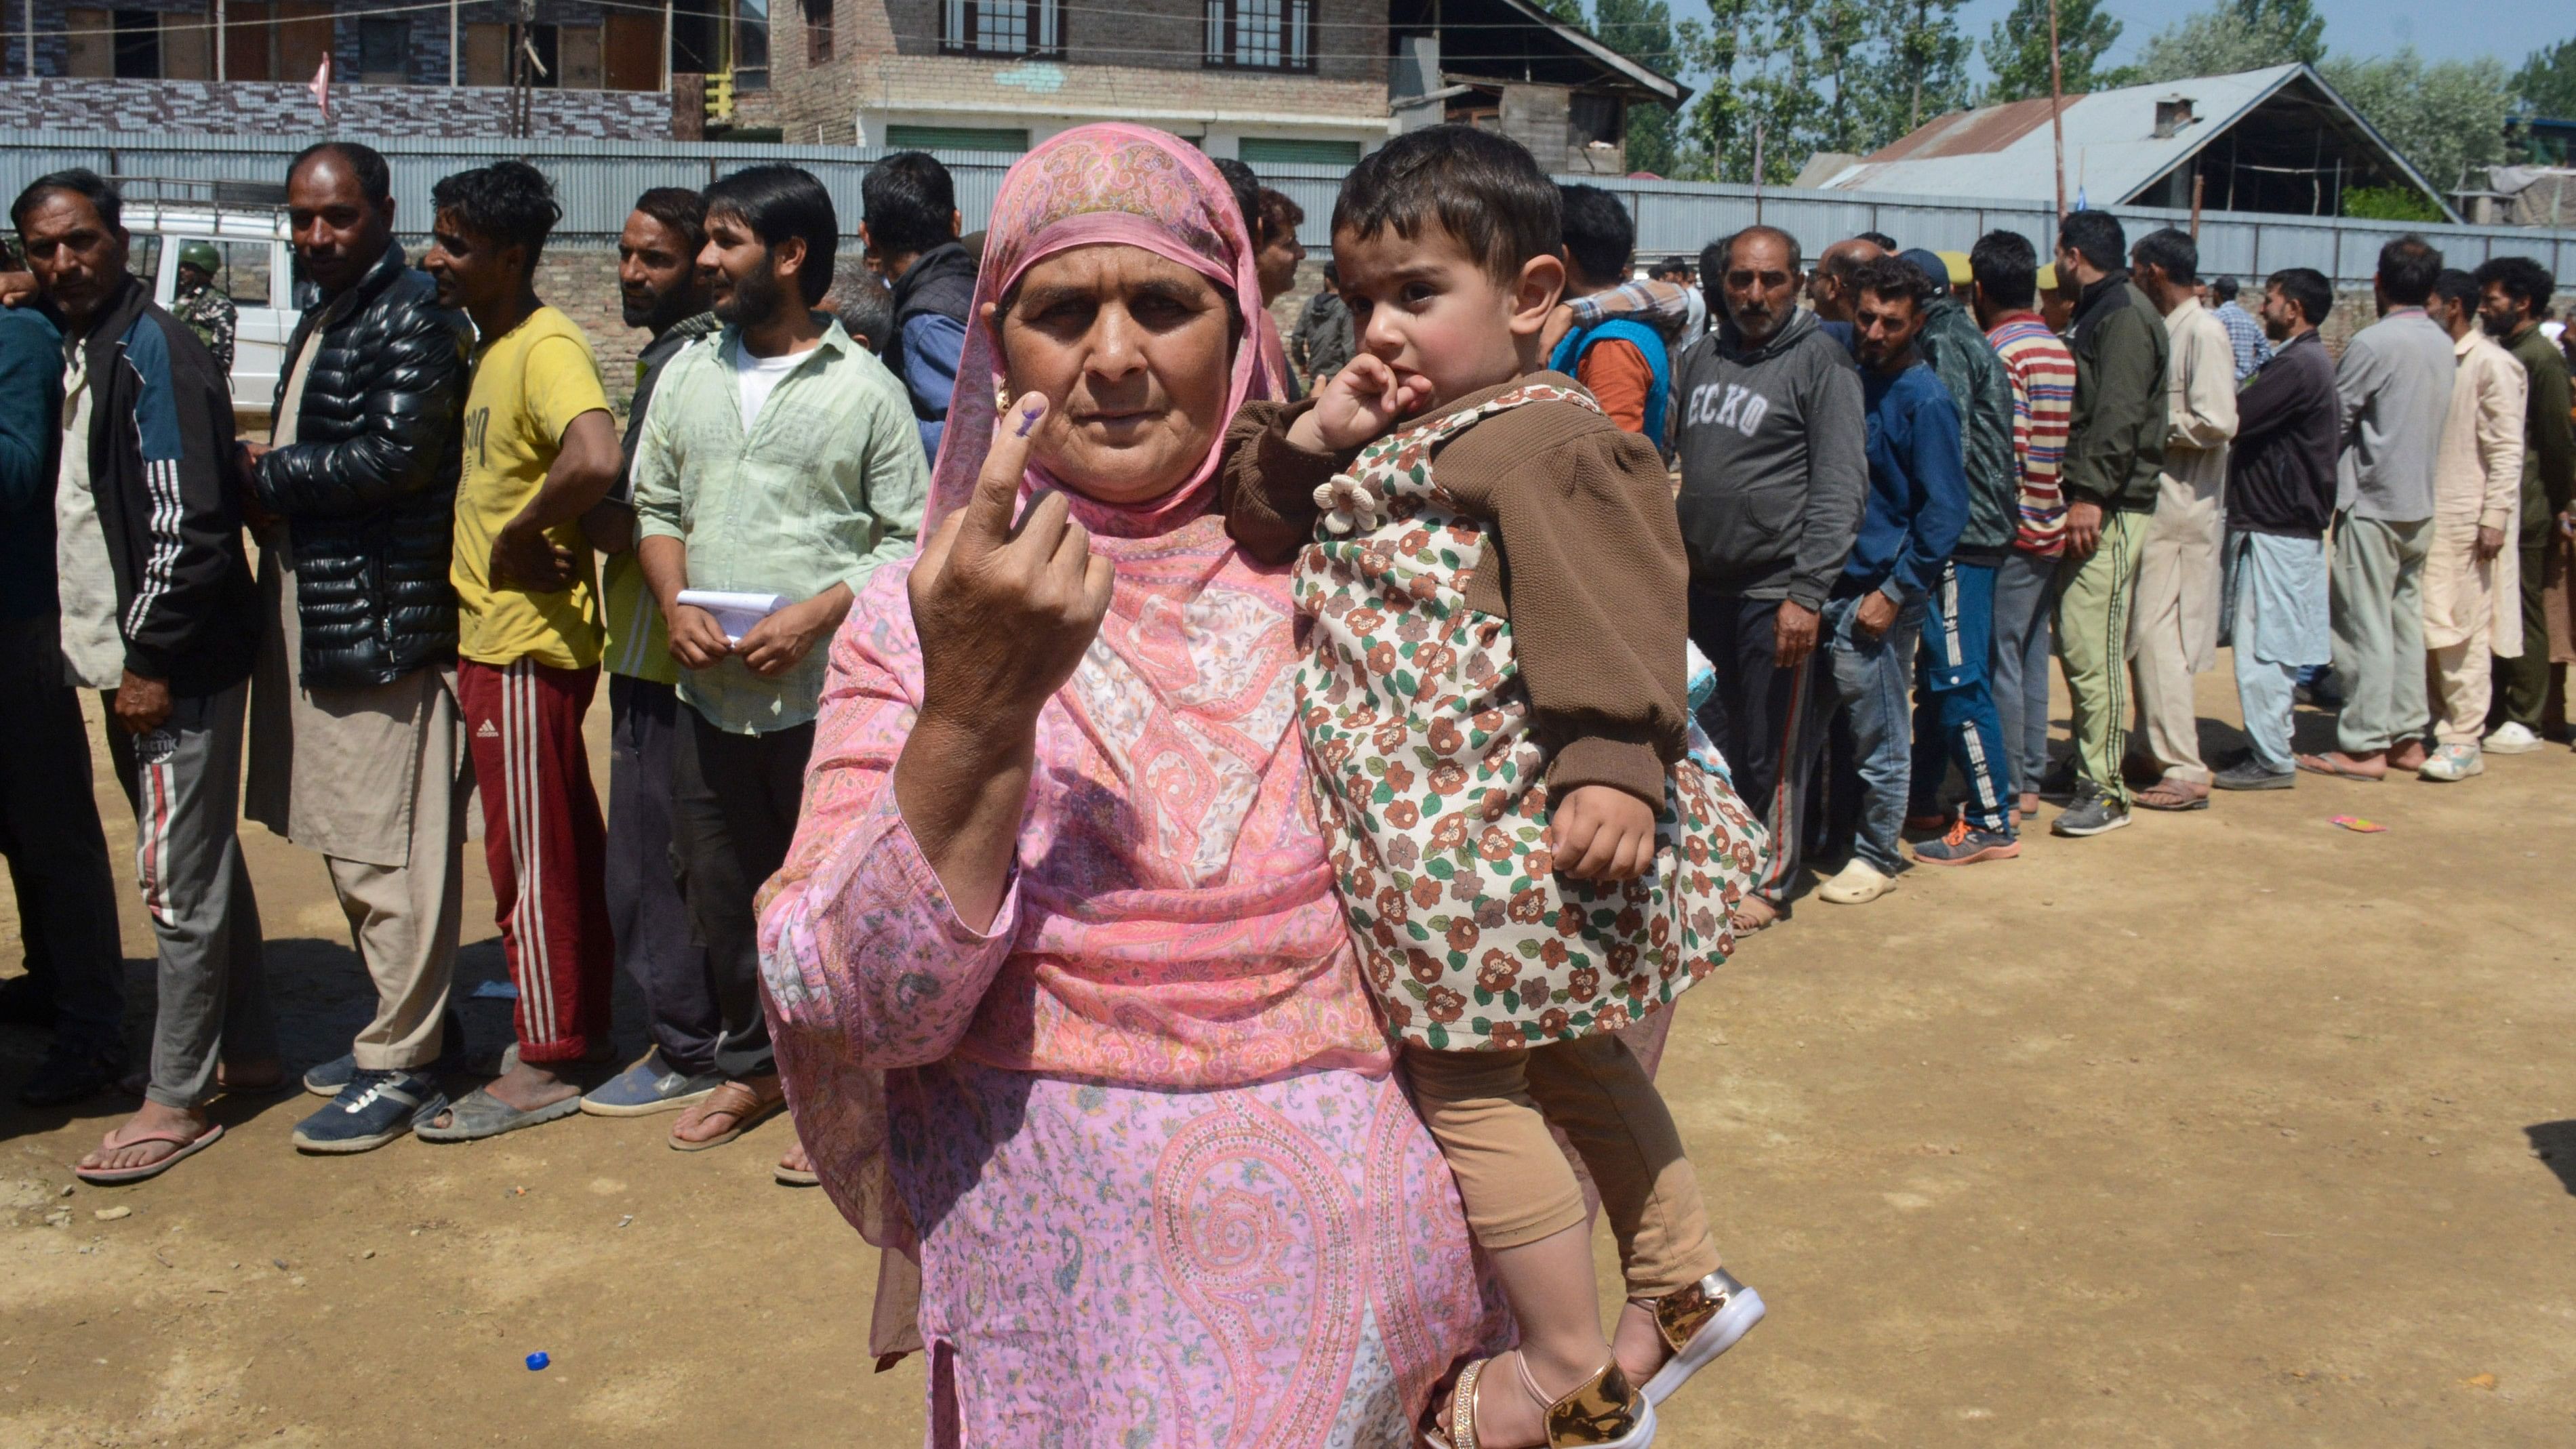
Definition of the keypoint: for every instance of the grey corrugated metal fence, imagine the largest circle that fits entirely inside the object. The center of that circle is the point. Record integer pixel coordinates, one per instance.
(597, 182)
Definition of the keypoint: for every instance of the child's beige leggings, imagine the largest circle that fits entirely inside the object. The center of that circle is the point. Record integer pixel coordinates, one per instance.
(1490, 1113)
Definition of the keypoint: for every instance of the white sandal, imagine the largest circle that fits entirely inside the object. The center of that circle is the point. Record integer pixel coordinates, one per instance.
(1698, 1323)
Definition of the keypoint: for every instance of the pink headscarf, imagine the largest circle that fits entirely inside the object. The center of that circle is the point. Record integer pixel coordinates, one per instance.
(1094, 185)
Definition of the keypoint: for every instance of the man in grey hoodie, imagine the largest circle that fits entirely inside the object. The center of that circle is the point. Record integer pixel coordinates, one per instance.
(1772, 440)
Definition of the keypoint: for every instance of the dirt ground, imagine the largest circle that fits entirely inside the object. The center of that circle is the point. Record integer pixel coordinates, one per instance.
(2233, 1128)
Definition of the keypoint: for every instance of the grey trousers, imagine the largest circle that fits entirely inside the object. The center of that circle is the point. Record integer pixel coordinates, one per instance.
(57, 852)
(2377, 589)
(2025, 596)
(184, 782)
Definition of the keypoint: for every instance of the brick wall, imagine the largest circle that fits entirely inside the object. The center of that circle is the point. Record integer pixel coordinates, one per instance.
(280, 109)
(1147, 61)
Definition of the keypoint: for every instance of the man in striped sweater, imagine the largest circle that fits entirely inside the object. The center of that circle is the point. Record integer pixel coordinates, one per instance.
(2042, 373)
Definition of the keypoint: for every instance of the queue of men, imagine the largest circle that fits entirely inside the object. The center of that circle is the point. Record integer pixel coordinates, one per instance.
(2126, 471)
(1900, 501)
(426, 613)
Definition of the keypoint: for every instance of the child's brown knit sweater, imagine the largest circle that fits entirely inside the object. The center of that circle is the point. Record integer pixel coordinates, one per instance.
(1585, 561)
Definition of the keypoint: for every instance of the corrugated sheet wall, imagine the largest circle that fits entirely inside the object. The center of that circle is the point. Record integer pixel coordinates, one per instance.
(597, 182)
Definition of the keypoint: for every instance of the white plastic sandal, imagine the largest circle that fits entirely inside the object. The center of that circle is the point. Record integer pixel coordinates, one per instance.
(1699, 1323)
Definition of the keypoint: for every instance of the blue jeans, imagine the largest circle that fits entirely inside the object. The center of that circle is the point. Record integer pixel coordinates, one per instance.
(1954, 709)
(2025, 596)
(1868, 678)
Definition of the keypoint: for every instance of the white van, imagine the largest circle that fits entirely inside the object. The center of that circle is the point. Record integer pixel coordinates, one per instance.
(257, 273)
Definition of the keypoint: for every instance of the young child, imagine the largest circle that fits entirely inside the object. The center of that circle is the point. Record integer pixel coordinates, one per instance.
(1495, 705)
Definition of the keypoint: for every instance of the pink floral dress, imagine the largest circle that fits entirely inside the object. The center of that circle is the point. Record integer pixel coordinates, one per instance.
(1418, 723)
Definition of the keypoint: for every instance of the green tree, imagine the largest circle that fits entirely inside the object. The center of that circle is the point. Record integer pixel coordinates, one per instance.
(2446, 117)
(1642, 30)
(2236, 35)
(2017, 49)
(1569, 11)
(2546, 84)
(1918, 67)
(1760, 75)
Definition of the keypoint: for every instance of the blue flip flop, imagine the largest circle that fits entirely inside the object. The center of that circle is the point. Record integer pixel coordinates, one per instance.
(479, 1114)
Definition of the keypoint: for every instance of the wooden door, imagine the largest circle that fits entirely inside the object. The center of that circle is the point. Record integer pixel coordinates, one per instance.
(247, 41)
(632, 46)
(303, 38)
(487, 53)
(92, 43)
(577, 57)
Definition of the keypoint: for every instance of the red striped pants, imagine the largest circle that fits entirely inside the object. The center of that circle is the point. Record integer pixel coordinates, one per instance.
(547, 849)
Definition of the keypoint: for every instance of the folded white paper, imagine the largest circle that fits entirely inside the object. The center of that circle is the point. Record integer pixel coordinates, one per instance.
(735, 613)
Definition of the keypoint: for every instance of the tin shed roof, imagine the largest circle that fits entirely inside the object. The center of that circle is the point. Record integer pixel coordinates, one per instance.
(2280, 135)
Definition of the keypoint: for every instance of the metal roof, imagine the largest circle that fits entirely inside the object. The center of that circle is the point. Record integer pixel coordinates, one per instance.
(2113, 153)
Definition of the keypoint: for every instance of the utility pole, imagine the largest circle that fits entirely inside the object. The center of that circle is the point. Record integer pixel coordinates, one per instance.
(2056, 108)
(523, 59)
(1757, 173)
(2198, 182)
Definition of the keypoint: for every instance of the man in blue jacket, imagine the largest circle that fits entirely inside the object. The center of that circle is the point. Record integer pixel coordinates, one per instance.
(159, 613)
(49, 826)
(1916, 509)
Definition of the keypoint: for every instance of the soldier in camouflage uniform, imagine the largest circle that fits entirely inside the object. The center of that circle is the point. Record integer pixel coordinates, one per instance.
(206, 310)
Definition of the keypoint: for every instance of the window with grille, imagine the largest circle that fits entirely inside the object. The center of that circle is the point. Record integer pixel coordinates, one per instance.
(1261, 34)
(1001, 27)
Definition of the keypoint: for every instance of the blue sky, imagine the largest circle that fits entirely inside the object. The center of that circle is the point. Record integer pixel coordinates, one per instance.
(2506, 29)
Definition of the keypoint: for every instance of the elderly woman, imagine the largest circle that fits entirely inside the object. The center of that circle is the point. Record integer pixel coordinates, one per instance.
(1065, 1007)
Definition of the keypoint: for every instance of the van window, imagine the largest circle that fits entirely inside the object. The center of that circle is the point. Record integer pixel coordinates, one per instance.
(143, 257)
(244, 274)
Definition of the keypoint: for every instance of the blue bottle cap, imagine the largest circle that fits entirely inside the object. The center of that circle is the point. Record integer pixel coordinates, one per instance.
(537, 1361)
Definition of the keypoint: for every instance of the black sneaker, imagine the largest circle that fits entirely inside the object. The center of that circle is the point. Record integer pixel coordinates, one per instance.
(2249, 774)
(329, 1078)
(26, 1001)
(374, 1109)
(2059, 783)
(2093, 813)
(71, 1072)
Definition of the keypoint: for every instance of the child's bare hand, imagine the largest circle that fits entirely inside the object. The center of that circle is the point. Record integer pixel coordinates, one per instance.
(1602, 833)
(1357, 404)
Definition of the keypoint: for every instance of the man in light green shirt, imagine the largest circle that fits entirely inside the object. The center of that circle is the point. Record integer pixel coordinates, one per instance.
(777, 459)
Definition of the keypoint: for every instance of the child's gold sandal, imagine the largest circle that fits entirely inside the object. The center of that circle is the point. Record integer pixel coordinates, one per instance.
(1698, 1323)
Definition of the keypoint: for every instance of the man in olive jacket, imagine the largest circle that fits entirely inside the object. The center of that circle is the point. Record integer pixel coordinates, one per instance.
(2114, 456)
(357, 749)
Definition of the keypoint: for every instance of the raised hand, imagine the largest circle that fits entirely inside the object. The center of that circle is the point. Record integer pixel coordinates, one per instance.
(1359, 403)
(1005, 614)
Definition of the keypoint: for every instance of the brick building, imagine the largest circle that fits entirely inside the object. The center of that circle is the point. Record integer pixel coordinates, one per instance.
(1271, 81)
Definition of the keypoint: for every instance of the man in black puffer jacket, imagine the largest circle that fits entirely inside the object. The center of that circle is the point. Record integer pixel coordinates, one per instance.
(357, 746)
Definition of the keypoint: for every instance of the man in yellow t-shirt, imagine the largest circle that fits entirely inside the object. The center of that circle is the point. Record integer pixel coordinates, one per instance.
(540, 451)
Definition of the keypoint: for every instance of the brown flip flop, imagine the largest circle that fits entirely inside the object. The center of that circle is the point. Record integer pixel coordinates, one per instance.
(745, 1104)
